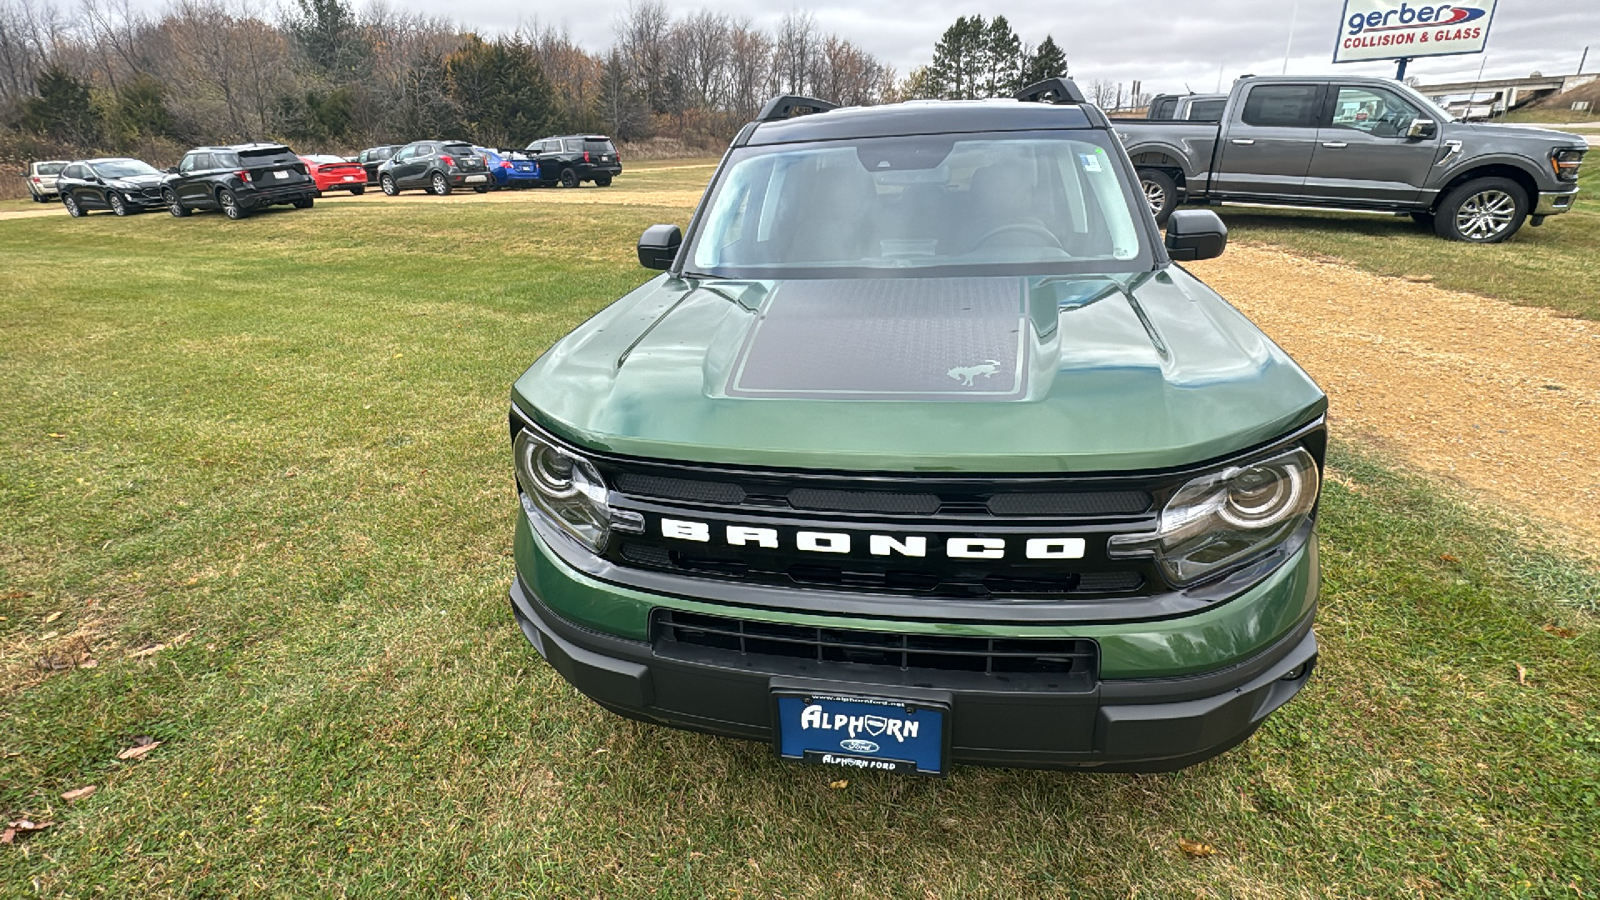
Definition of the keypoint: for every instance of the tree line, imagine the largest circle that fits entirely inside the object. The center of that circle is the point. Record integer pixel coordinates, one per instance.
(326, 75)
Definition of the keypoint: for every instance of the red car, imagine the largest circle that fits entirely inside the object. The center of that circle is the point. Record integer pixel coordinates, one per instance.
(336, 173)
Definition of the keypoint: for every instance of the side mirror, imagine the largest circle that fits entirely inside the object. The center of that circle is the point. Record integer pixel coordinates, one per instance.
(1422, 128)
(658, 246)
(1195, 234)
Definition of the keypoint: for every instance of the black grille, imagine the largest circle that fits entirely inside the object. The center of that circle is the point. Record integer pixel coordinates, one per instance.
(864, 501)
(1081, 503)
(992, 656)
(680, 489)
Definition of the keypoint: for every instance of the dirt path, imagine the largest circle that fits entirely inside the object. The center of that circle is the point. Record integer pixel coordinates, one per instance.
(1503, 399)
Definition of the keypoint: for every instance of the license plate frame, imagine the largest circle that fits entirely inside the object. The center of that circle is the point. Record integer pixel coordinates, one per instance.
(813, 739)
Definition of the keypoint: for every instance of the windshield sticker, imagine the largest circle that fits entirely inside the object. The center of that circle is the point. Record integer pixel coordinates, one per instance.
(1091, 162)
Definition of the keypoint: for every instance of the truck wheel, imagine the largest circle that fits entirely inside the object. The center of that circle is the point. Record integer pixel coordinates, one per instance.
(441, 185)
(304, 202)
(1160, 191)
(1482, 211)
(602, 180)
(177, 209)
(569, 178)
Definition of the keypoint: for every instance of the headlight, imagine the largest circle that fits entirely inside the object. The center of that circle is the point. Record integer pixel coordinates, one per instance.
(1223, 518)
(1566, 163)
(564, 488)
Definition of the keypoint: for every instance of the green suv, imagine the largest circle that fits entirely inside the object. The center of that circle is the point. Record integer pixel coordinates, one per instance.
(923, 451)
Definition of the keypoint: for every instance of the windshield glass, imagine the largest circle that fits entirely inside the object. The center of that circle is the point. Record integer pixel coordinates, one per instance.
(51, 168)
(122, 168)
(1017, 203)
(1429, 107)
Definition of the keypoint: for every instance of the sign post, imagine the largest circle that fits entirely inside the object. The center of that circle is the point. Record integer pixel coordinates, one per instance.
(1403, 30)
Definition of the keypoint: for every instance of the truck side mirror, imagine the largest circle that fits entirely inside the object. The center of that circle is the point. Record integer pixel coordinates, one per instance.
(658, 246)
(1422, 128)
(1195, 234)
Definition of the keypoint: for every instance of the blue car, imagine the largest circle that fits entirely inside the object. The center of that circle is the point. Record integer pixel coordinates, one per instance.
(511, 169)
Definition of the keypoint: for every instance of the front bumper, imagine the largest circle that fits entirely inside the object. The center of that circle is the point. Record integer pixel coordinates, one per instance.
(1552, 202)
(1115, 723)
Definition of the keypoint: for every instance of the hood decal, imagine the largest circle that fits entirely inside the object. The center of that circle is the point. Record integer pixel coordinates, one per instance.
(888, 339)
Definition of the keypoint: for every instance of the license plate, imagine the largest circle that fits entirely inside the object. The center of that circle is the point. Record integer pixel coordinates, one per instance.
(280, 174)
(866, 733)
(349, 178)
(475, 178)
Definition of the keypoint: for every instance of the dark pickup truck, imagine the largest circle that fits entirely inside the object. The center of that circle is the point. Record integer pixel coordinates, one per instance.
(1366, 144)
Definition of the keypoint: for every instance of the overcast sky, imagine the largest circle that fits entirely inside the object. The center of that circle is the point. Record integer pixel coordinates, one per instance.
(1166, 45)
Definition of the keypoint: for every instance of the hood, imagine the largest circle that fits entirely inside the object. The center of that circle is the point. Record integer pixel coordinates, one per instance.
(154, 179)
(1060, 374)
(1523, 131)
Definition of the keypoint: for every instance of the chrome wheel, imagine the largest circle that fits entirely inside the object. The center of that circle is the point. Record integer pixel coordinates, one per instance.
(1155, 195)
(388, 185)
(440, 186)
(73, 209)
(1486, 214)
(118, 205)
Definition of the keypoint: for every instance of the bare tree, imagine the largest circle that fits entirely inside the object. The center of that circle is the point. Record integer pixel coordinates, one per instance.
(749, 68)
(642, 38)
(794, 54)
(700, 56)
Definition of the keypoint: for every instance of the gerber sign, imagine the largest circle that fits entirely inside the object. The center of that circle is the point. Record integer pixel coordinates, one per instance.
(1391, 29)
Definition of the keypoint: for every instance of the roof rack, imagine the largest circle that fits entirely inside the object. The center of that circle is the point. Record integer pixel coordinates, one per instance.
(1052, 90)
(787, 107)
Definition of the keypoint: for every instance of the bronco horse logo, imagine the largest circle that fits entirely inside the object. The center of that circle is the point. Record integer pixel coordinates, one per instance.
(965, 374)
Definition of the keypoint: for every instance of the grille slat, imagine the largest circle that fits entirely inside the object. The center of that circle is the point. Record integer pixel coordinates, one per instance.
(995, 656)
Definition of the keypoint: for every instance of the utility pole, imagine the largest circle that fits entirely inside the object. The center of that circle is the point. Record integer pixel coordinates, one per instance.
(1581, 60)
(1294, 16)
(1400, 70)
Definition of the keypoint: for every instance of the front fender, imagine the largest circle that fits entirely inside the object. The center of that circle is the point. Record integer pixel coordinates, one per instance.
(1454, 168)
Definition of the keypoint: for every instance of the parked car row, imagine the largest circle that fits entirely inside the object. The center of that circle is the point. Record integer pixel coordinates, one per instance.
(240, 179)
(237, 179)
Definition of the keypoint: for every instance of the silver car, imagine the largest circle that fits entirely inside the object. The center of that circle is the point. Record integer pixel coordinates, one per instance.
(41, 179)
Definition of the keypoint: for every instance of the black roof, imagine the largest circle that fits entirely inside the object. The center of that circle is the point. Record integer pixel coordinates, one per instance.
(926, 117)
(237, 148)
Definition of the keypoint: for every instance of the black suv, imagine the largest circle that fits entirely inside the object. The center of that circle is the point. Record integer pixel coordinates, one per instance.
(572, 159)
(122, 185)
(373, 157)
(238, 180)
(437, 166)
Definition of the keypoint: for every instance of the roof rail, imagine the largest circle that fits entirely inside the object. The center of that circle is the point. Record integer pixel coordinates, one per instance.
(1052, 90)
(787, 107)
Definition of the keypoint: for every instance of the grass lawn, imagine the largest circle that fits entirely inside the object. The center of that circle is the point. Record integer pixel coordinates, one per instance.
(257, 473)
(1552, 265)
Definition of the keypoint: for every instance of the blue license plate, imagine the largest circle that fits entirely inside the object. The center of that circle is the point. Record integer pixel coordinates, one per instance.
(867, 733)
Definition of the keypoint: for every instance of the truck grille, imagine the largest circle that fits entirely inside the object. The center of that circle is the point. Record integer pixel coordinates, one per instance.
(991, 656)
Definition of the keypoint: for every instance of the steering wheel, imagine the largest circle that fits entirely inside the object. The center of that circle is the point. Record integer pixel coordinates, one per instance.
(1033, 228)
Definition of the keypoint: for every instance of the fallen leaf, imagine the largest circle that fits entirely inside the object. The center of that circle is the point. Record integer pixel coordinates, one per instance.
(88, 664)
(1522, 673)
(52, 617)
(839, 785)
(57, 434)
(138, 751)
(1449, 558)
(148, 651)
(1196, 849)
(1560, 632)
(80, 793)
(22, 826)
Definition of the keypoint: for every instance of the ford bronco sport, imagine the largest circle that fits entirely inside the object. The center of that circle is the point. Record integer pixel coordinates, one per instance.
(923, 451)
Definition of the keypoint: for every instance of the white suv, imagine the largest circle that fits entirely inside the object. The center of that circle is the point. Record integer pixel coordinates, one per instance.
(42, 179)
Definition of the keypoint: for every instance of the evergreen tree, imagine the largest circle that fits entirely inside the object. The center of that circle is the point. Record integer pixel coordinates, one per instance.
(500, 90)
(1046, 61)
(959, 59)
(139, 111)
(1002, 60)
(330, 39)
(63, 110)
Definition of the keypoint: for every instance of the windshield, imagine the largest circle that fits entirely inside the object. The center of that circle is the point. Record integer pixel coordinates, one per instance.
(1019, 203)
(1429, 107)
(122, 168)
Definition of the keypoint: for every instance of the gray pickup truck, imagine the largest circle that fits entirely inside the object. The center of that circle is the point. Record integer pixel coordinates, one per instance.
(1366, 144)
